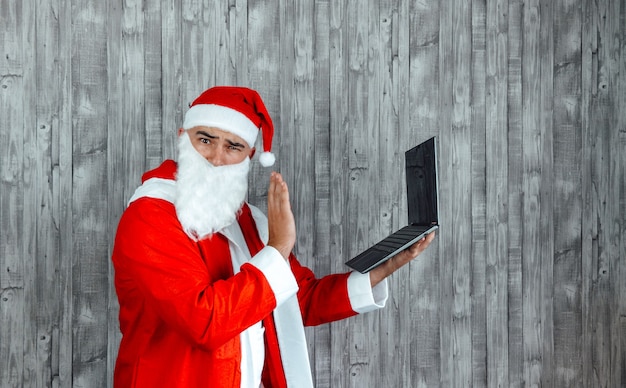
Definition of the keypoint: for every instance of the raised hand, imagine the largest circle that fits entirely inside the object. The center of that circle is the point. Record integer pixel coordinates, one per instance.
(281, 224)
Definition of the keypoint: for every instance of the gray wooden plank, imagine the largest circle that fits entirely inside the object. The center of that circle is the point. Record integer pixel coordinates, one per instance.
(173, 105)
(14, 30)
(321, 335)
(496, 276)
(30, 211)
(600, 326)
(264, 75)
(225, 68)
(63, 175)
(301, 136)
(43, 146)
(357, 214)
(12, 302)
(613, 32)
(455, 92)
(120, 186)
(238, 31)
(399, 131)
(567, 198)
(394, 343)
(516, 215)
(338, 109)
(620, 165)
(152, 94)
(546, 221)
(370, 17)
(483, 51)
(90, 266)
(447, 198)
(199, 47)
(532, 148)
(588, 230)
(134, 74)
(418, 101)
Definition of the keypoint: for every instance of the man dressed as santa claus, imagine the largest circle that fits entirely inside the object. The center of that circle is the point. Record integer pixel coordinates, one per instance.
(209, 292)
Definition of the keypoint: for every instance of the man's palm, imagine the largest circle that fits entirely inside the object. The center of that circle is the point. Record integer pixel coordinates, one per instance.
(282, 226)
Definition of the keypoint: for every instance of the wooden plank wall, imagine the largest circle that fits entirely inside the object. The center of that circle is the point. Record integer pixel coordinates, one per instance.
(526, 282)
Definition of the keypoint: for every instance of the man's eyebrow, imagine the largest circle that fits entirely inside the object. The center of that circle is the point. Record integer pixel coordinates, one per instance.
(230, 142)
(235, 144)
(204, 133)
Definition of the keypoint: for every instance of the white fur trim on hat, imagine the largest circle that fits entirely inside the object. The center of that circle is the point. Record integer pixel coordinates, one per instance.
(224, 118)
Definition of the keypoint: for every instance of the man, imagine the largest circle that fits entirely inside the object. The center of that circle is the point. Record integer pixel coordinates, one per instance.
(210, 294)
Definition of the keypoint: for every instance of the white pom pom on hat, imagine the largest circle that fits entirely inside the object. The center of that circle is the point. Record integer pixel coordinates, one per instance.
(237, 110)
(267, 159)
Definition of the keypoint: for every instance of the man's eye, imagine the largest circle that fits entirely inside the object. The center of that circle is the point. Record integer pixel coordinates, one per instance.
(205, 140)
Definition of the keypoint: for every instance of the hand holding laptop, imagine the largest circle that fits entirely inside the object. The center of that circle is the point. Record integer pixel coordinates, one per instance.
(422, 207)
(392, 265)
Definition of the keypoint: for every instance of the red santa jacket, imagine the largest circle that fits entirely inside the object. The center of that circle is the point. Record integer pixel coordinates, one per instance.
(182, 308)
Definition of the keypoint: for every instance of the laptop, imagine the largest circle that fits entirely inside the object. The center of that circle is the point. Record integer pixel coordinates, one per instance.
(422, 203)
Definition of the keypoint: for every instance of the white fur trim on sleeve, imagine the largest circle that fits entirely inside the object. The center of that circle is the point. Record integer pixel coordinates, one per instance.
(364, 298)
(277, 272)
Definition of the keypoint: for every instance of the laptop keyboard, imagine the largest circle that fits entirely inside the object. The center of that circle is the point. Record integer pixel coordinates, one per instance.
(386, 247)
(366, 259)
(400, 238)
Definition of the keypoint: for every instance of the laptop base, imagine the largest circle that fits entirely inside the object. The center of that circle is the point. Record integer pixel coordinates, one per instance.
(389, 247)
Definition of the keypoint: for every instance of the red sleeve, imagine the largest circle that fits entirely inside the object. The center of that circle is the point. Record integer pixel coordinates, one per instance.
(161, 273)
(321, 300)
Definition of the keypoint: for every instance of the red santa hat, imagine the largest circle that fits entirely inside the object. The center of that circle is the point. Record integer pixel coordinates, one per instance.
(237, 110)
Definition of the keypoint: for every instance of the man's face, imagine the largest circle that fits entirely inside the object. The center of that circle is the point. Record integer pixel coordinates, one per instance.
(211, 180)
(219, 147)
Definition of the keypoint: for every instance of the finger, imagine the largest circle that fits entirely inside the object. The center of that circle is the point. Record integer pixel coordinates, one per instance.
(281, 190)
(272, 187)
(275, 187)
(278, 194)
(421, 245)
(284, 193)
(272, 202)
(278, 184)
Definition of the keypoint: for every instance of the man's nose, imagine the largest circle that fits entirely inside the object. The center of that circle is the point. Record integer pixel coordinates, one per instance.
(217, 157)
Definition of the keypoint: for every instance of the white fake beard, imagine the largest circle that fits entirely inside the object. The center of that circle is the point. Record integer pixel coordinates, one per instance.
(207, 197)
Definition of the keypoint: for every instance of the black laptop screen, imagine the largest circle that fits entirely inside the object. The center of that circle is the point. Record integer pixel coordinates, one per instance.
(421, 183)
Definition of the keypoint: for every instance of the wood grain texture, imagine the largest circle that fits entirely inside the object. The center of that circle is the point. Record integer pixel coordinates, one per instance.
(455, 106)
(120, 183)
(172, 101)
(320, 337)
(42, 145)
(14, 284)
(65, 332)
(90, 273)
(497, 194)
(567, 194)
(515, 173)
(524, 285)
(418, 99)
(482, 127)
(361, 356)
(532, 272)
